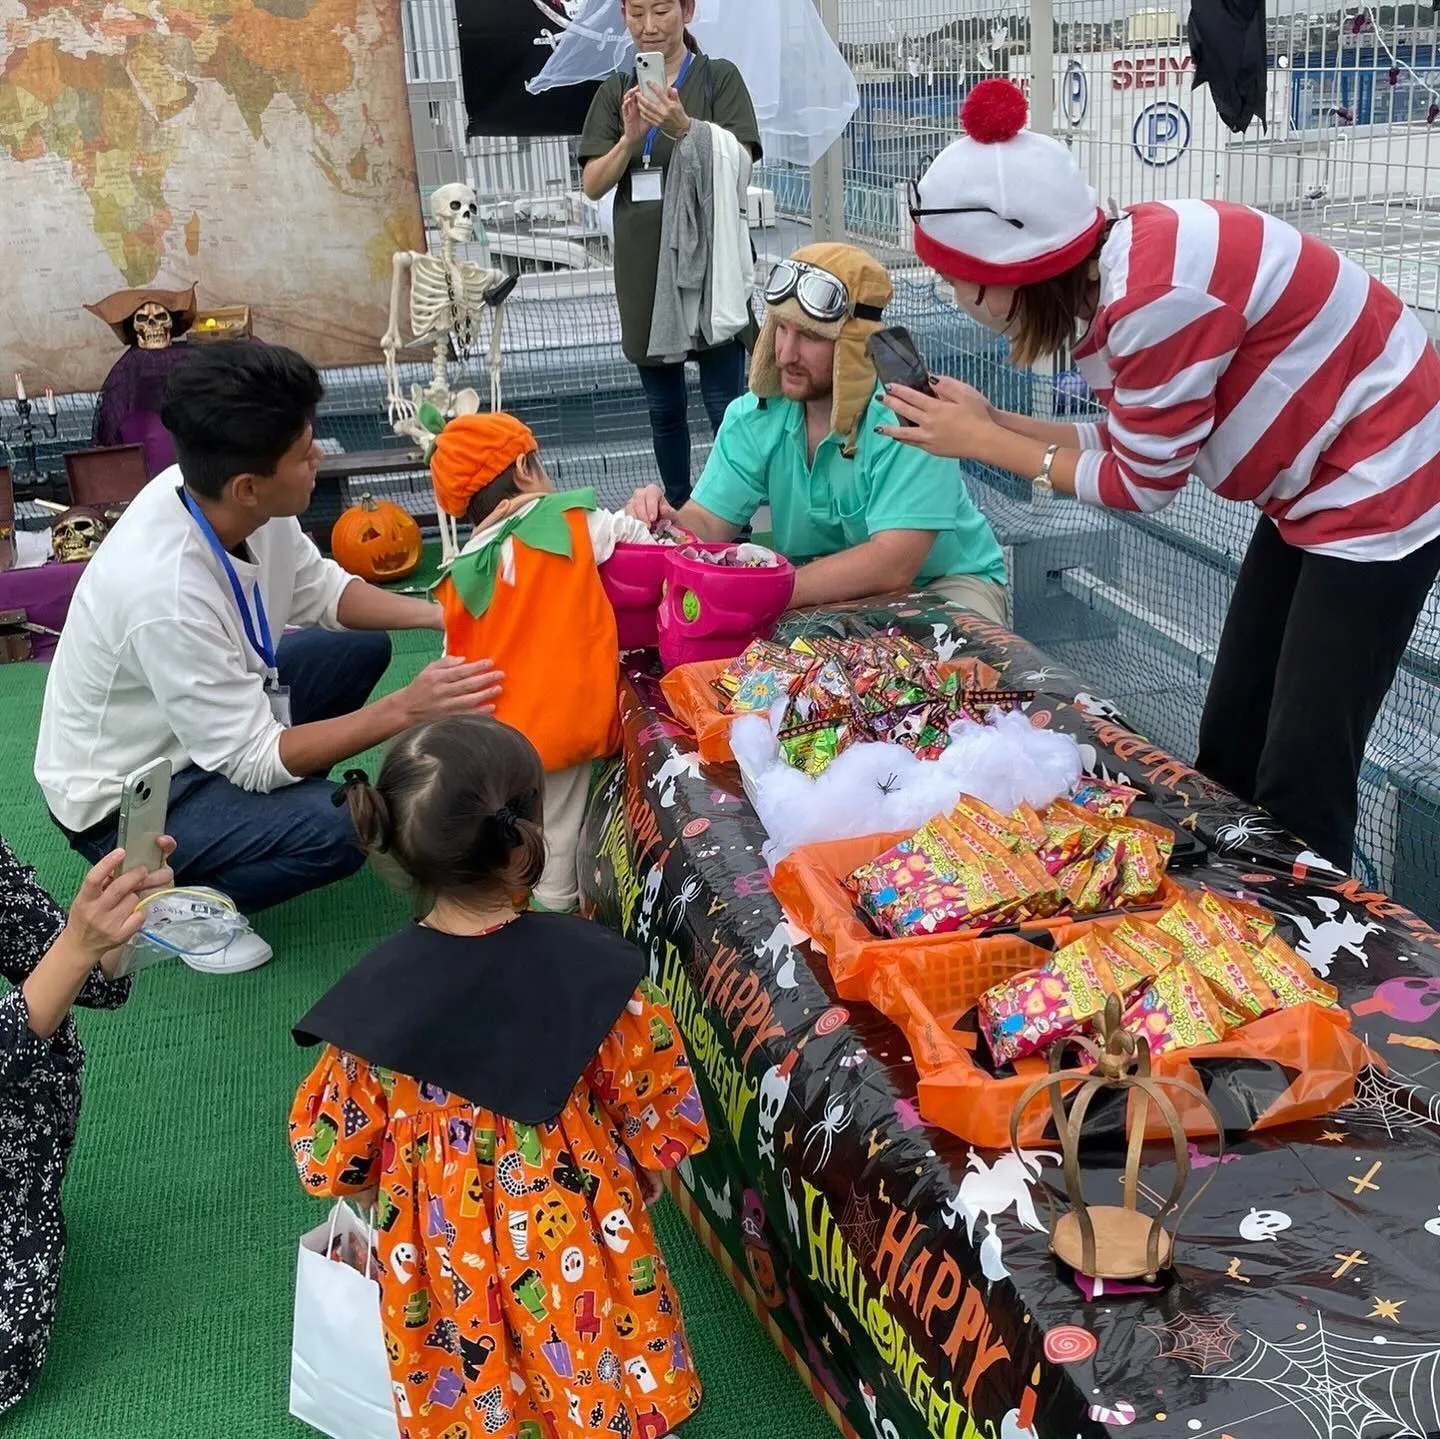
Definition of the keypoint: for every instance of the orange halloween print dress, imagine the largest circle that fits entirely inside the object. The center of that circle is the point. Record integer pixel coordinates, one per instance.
(523, 1293)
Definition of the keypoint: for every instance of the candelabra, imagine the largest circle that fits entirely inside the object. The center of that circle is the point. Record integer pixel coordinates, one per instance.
(22, 435)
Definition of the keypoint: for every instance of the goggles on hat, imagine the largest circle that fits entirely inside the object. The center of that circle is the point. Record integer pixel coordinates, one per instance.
(822, 296)
(918, 212)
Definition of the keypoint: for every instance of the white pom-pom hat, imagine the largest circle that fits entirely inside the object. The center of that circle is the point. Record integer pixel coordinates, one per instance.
(1003, 205)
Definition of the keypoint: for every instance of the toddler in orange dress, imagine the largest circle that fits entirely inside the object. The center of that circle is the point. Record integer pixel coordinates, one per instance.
(525, 592)
(512, 1084)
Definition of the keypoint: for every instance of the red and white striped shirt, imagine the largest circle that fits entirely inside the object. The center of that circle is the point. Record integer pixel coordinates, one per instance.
(1229, 346)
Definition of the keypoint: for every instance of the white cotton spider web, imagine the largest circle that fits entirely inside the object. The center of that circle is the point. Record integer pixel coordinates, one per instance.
(1381, 1102)
(1346, 1388)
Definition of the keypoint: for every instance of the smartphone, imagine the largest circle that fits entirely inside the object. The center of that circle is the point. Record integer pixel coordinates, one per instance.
(898, 362)
(143, 802)
(650, 71)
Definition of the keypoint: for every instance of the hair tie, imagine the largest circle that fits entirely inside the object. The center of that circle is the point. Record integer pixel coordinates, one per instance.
(353, 779)
(507, 827)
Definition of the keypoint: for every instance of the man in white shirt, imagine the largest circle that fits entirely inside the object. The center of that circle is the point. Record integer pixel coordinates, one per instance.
(175, 646)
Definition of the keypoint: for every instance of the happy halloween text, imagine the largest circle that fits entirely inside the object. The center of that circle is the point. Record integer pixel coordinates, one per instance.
(933, 1295)
(704, 1042)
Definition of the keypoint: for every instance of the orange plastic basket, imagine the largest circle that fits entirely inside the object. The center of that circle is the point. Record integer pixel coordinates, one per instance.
(925, 988)
(811, 885)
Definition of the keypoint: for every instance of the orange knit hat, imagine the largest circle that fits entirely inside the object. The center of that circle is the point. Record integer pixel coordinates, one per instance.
(472, 451)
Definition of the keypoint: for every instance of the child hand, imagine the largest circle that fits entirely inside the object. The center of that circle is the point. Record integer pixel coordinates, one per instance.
(652, 1187)
(649, 506)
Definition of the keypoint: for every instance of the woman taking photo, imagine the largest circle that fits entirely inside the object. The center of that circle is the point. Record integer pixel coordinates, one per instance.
(1221, 343)
(629, 139)
(51, 962)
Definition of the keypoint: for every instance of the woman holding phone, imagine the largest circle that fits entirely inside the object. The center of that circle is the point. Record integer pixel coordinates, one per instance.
(629, 138)
(52, 961)
(1225, 345)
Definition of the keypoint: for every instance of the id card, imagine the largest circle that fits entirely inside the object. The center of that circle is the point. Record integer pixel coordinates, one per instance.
(647, 186)
(279, 697)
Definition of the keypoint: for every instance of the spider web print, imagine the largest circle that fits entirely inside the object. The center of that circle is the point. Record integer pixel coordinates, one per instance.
(1381, 1103)
(1197, 1341)
(1348, 1388)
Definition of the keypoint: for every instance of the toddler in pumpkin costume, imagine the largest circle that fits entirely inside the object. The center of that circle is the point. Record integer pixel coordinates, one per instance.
(525, 592)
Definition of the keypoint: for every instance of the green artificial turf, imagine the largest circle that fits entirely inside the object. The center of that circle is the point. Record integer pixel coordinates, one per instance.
(182, 1202)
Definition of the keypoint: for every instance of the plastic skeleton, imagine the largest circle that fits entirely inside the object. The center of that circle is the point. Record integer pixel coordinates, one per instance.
(447, 300)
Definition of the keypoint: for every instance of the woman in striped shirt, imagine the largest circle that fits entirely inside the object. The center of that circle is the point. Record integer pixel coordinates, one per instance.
(1224, 345)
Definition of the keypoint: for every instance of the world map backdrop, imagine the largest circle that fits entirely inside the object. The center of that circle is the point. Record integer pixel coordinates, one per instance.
(262, 149)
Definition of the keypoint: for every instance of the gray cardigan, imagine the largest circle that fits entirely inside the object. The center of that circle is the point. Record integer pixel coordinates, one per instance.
(681, 318)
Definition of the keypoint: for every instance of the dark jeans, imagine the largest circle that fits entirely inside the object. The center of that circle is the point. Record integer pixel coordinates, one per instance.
(262, 849)
(1310, 647)
(722, 379)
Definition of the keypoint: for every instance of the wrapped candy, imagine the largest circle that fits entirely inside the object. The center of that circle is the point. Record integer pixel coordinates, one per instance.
(1186, 923)
(1028, 824)
(989, 821)
(823, 692)
(810, 748)
(1242, 993)
(1071, 833)
(1132, 827)
(1292, 980)
(936, 881)
(761, 655)
(1177, 1010)
(1145, 945)
(1142, 871)
(1236, 920)
(1095, 879)
(1109, 801)
(1029, 1012)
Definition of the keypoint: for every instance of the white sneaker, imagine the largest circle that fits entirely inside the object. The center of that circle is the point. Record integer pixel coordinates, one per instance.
(245, 951)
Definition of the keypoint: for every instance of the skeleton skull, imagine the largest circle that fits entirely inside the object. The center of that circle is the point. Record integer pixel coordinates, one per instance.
(153, 326)
(76, 535)
(453, 208)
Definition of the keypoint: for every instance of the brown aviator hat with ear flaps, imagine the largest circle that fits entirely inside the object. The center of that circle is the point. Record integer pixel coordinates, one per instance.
(869, 289)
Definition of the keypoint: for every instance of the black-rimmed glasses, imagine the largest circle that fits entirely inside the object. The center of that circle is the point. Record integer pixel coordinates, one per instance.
(917, 211)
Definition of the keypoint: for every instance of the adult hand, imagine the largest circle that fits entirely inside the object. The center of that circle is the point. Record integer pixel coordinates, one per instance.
(450, 686)
(636, 127)
(663, 109)
(950, 424)
(106, 912)
(649, 506)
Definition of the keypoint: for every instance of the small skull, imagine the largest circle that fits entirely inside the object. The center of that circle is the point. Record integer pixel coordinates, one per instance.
(153, 326)
(76, 535)
(454, 208)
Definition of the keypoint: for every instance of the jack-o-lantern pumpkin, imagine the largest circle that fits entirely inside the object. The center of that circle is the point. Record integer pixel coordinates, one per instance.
(377, 540)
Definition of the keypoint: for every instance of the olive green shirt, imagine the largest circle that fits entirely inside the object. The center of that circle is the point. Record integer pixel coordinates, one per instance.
(713, 91)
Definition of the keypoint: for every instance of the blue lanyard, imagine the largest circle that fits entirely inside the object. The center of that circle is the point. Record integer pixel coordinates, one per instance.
(679, 81)
(260, 644)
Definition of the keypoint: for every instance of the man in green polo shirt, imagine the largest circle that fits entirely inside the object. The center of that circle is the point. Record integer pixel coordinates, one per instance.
(857, 513)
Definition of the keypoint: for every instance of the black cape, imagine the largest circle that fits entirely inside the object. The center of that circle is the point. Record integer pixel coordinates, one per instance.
(508, 1021)
(1227, 44)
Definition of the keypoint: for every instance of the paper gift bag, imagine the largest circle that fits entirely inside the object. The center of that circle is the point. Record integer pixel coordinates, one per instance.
(339, 1375)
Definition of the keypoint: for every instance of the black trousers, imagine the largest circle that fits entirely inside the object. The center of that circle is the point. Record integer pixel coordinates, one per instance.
(1310, 647)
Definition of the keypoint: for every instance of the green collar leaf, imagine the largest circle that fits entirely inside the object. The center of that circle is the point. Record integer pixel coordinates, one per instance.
(544, 526)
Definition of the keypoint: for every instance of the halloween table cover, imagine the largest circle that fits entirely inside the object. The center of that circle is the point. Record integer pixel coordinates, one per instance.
(908, 1275)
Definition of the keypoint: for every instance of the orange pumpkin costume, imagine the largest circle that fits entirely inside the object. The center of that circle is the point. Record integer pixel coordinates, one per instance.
(526, 593)
(523, 1294)
(550, 630)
